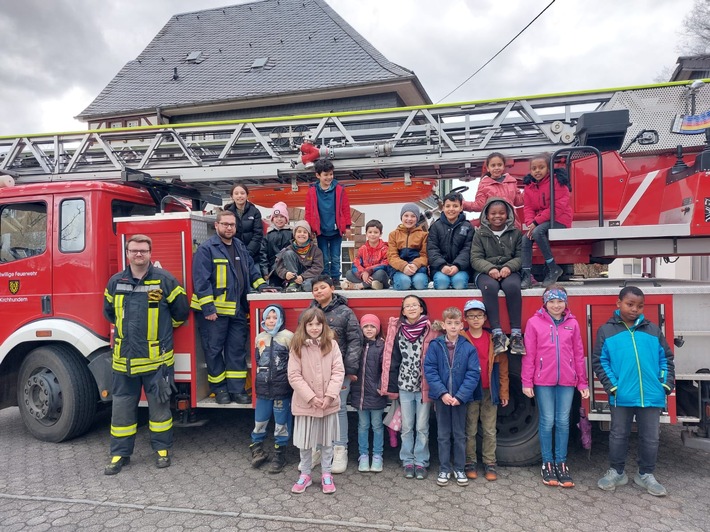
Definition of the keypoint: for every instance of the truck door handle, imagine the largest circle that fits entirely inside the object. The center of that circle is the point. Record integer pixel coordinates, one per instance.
(46, 304)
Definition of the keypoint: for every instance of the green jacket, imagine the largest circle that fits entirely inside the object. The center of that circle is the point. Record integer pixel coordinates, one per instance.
(489, 251)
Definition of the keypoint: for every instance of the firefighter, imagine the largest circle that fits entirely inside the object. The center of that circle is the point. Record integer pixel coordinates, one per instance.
(222, 271)
(144, 303)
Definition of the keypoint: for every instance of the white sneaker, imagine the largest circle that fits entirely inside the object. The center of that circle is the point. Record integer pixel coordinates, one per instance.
(340, 459)
(377, 285)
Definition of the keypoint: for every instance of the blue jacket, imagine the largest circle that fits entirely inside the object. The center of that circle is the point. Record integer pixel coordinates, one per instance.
(459, 379)
(219, 286)
(634, 364)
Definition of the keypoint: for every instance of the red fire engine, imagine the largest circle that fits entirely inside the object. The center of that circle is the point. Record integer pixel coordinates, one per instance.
(639, 188)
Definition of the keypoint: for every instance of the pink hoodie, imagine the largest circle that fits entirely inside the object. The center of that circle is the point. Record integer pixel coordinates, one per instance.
(555, 354)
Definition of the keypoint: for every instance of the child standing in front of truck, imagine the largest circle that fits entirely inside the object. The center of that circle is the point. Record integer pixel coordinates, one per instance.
(634, 363)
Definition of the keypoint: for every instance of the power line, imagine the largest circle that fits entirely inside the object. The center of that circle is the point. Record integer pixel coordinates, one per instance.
(498, 52)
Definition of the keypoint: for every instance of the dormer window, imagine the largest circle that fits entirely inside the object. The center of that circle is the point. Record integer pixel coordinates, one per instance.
(195, 57)
(259, 62)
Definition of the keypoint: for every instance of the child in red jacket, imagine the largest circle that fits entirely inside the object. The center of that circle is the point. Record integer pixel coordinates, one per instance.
(370, 264)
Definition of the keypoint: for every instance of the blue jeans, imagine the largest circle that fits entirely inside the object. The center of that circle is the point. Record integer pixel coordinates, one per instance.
(367, 418)
(648, 421)
(283, 420)
(554, 404)
(331, 248)
(539, 235)
(458, 281)
(402, 281)
(343, 413)
(415, 416)
(451, 421)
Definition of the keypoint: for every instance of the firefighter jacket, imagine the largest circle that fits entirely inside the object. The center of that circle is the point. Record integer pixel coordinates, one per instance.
(218, 286)
(144, 313)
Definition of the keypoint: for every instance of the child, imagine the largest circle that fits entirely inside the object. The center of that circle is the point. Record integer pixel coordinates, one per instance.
(315, 371)
(407, 340)
(452, 370)
(495, 391)
(449, 246)
(553, 366)
(537, 216)
(407, 252)
(495, 183)
(273, 393)
(278, 236)
(343, 322)
(301, 262)
(250, 229)
(635, 365)
(371, 264)
(495, 257)
(366, 399)
(328, 213)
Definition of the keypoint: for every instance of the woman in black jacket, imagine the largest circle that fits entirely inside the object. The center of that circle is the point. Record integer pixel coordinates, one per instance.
(250, 229)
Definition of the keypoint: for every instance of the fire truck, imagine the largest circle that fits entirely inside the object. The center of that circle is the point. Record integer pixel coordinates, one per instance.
(640, 188)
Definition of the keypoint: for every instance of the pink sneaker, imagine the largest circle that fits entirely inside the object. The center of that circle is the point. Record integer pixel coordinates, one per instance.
(327, 483)
(302, 483)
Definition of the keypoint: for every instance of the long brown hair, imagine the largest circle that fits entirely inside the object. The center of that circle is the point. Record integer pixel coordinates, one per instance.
(300, 337)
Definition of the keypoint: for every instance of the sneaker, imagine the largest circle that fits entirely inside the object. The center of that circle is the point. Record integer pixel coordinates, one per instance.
(409, 471)
(302, 483)
(327, 483)
(116, 464)
(500, 343)
(554, 272)
(563, 476)
(471, 470)
(162, 459)
(443, 478)
(293, 287)
(549, 478)
(421, 472)
(649, 482)
(612, 479)
(517, 347)
(363, 463)
(461, 478)
(377, 285)
(526, 280)
(345, 284)
(377, 463)
(340, 459)
(491, 473)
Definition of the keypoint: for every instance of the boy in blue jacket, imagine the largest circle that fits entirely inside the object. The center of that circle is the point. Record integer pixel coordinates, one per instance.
(452, 370)
(634, 363)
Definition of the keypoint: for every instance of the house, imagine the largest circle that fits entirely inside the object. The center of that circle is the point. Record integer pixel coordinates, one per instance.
(260, 59)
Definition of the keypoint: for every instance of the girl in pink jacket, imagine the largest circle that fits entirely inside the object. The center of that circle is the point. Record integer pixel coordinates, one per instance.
(551, 369)
(316, 373)
(496, 183)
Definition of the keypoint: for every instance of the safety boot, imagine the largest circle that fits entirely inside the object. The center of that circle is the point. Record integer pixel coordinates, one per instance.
(258, 456)
(278, 461)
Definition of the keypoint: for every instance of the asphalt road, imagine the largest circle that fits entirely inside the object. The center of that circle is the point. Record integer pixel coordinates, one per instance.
(211, 486)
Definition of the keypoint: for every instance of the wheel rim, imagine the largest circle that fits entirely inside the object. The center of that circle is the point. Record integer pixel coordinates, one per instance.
(43, 396)
(518, 421)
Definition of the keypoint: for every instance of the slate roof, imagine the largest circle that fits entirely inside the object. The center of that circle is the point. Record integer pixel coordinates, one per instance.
(308, 45)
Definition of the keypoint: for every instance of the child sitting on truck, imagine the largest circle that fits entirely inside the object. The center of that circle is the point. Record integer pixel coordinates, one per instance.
(407, 252)
(370, 265)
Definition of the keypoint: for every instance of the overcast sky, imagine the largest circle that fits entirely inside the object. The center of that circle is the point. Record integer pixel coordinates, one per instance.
(57, 55)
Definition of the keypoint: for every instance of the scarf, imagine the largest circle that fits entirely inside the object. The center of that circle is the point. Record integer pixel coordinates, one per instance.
(412, 331)
(304, 249)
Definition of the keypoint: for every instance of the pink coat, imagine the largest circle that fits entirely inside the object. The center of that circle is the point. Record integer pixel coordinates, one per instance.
(490, 188)
(555, 355)
(537, 203)
(315, 375)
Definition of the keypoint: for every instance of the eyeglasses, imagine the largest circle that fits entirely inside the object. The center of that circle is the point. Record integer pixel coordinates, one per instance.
(138, 251)
(411, 306)
(476, 317)
(227, 225)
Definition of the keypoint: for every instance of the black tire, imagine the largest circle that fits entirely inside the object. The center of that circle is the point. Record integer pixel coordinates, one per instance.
(517, 440)
(56, 393)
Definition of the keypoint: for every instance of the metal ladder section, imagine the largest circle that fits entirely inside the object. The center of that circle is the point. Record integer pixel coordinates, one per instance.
(436, 141)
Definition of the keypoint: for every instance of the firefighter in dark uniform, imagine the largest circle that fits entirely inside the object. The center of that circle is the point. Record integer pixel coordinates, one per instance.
(222, 272)
(144, 303)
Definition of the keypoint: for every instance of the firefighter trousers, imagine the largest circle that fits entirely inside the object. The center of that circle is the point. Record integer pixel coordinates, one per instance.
(224, 344)
(124, 415)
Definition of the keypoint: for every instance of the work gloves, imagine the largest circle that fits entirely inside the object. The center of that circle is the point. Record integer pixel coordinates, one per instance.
(162, 385)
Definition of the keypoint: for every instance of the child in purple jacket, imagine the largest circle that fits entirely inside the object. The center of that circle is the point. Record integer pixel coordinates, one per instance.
(551, 369)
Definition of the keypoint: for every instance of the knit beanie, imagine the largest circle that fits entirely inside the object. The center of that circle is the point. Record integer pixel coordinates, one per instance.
(280, 209)
(370, 319)
(304, 224)
(409, 207)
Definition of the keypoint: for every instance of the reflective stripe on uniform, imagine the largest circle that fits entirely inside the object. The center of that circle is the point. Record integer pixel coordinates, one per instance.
(108, 296)
(178, 290)
(236, 374)
(216, 379)
(220, 273)
(118, 310)
(124, 432)
(160, 426)
(153, 312)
